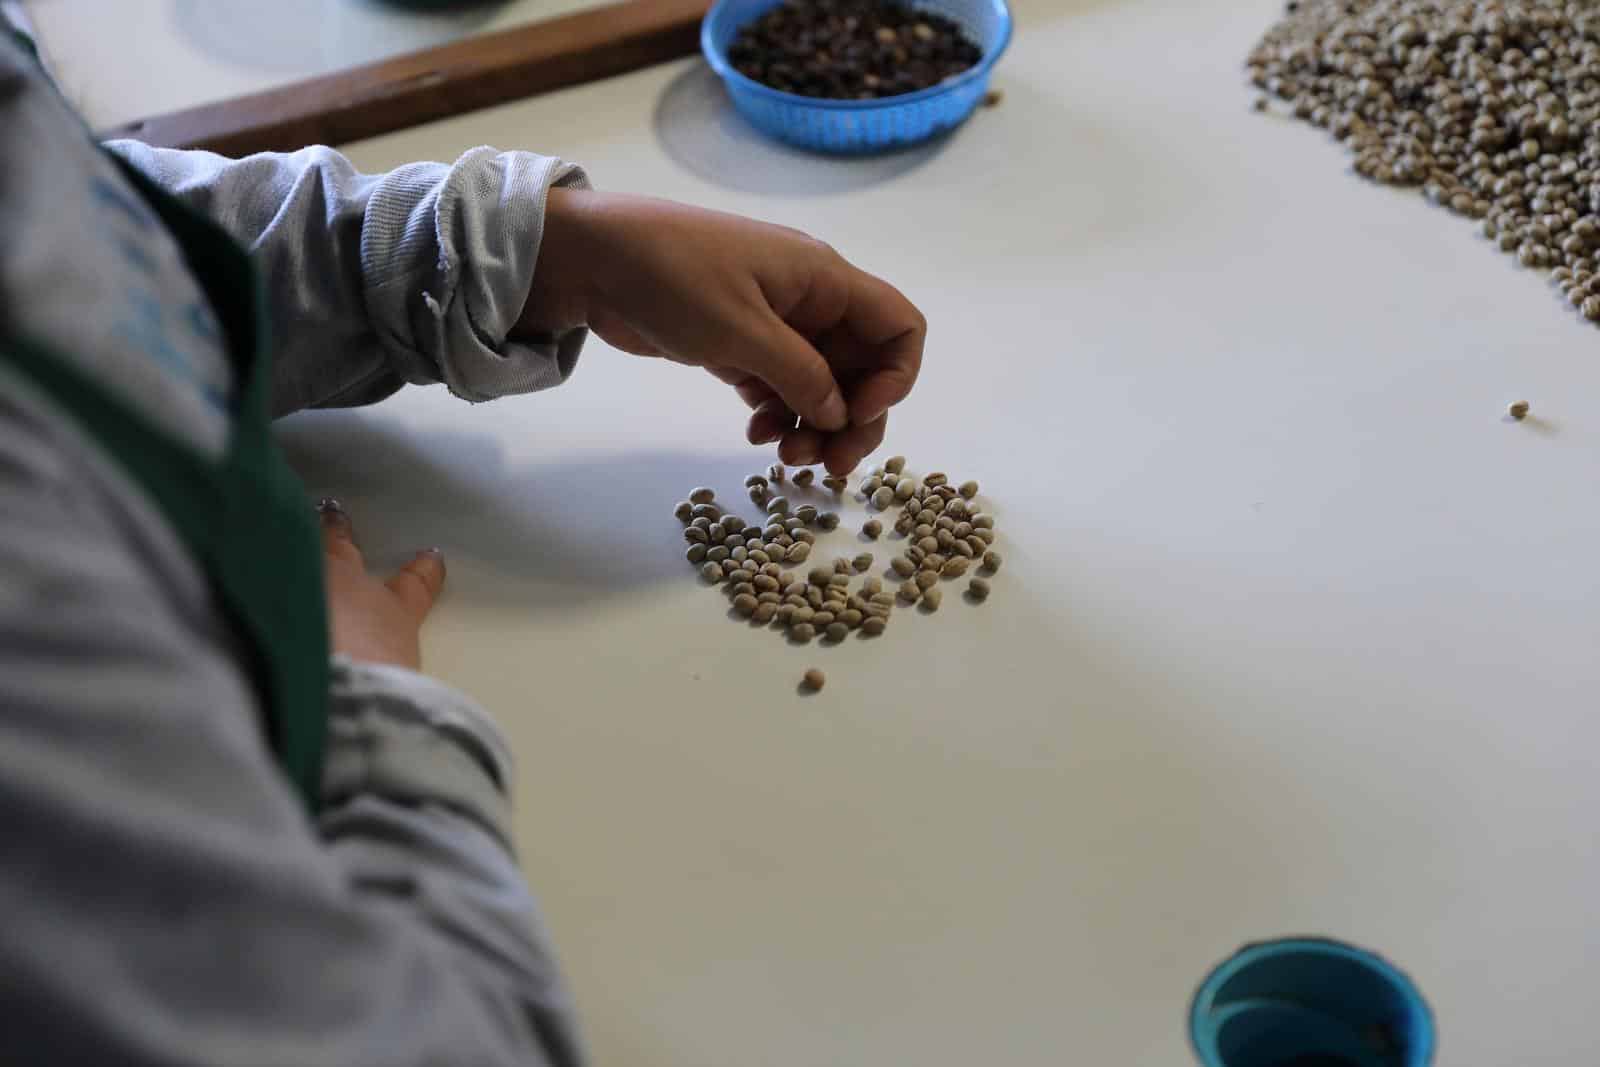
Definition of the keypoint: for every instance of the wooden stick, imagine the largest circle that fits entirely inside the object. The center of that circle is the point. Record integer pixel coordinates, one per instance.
(435, 83)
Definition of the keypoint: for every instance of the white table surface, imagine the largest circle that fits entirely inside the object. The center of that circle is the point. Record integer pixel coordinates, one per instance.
(1296, 632)
(121, 60)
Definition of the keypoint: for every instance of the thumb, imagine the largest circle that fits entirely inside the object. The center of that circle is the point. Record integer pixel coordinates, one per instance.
(417, 584)
(796, 371)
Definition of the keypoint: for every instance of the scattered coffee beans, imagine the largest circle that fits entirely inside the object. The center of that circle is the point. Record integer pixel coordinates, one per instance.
(948, 534)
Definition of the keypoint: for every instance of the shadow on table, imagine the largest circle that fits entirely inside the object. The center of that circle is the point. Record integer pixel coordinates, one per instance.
(542, 536)
(698, 127)
(321, 36)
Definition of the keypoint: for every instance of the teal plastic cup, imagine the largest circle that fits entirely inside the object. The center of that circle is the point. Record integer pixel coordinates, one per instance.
(1309, 1002)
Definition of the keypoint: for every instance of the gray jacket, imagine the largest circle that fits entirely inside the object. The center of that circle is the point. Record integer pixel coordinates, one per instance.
(164, 898)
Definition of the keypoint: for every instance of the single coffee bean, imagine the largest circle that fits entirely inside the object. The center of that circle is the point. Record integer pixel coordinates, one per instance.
(813, 680)
(872, 528)
(702, 495)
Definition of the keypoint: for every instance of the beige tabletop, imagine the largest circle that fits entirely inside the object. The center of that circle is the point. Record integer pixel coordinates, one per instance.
(1295, 634)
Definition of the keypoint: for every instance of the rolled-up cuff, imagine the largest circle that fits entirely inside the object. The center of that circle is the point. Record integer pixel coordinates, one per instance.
(449, 258)
(403, 736)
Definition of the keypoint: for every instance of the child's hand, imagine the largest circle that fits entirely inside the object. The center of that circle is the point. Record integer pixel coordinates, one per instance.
(374, 620)
(781, 317)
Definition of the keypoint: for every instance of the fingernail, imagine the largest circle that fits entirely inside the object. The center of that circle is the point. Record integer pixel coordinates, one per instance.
(835, 414)
(331, 513)
(436, 552)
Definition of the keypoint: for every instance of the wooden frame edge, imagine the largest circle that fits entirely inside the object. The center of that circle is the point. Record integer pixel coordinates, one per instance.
(435, 83)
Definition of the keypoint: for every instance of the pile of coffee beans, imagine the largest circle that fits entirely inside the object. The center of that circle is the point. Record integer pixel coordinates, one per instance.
(1492, 109)
(851, 49)
(944, 529)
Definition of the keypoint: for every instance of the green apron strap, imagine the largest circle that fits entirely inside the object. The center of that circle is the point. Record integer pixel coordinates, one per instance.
(246, 518)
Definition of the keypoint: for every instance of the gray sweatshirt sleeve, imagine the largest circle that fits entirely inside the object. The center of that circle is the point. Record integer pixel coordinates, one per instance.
(166, 899)
(373, 281)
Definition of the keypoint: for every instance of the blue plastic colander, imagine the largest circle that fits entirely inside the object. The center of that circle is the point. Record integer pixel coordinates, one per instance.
(859, 126)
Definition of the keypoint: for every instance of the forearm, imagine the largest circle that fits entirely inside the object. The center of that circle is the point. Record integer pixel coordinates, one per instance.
(418, 275)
